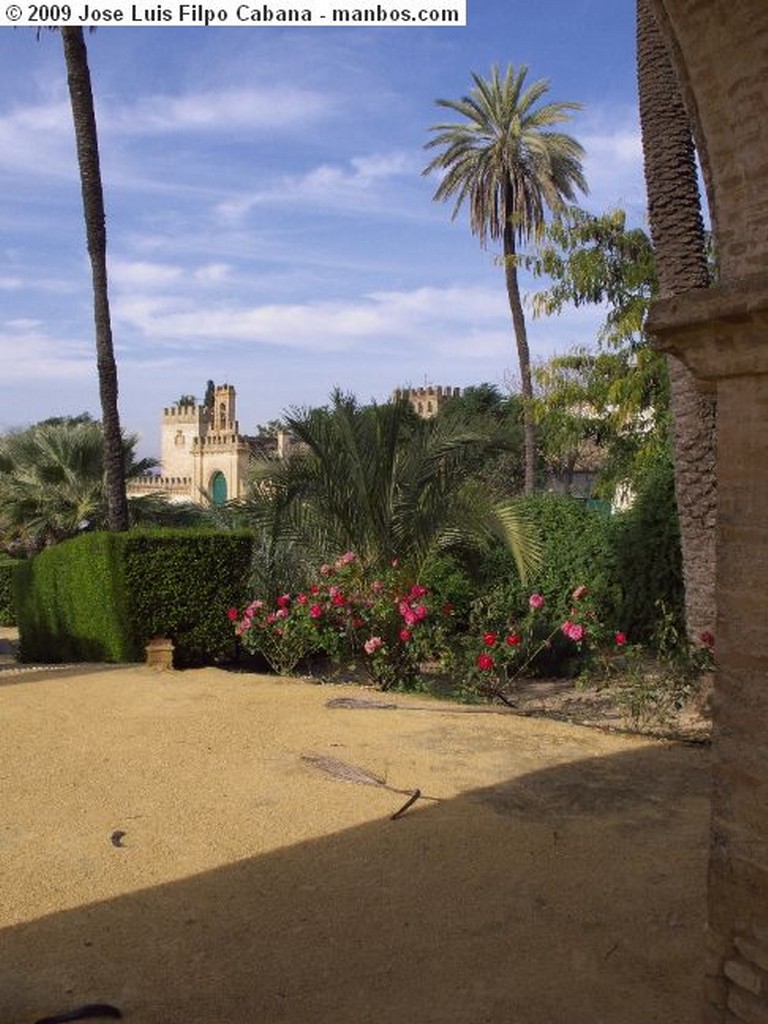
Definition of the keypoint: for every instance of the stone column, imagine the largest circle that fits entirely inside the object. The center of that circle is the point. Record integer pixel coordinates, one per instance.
(722, 336)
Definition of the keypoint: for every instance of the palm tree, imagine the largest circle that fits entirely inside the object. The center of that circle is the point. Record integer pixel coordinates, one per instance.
(84, 117)
(677, 232)
(382, 482)
(509, 164)
(52, 481)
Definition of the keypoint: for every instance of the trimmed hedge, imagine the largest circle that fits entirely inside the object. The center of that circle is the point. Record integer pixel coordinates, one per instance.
(7, 609)
(102, 596)
(180, 584)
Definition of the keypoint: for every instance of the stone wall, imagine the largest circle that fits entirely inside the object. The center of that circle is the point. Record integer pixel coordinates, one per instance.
(720, 48)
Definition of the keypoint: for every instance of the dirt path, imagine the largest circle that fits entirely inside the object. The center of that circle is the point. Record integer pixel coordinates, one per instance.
(550, 874)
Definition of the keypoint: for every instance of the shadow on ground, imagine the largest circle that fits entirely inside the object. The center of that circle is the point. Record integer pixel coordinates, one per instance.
(573, 895)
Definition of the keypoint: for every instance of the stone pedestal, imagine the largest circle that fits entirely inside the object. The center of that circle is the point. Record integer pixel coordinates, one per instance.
(160, 653)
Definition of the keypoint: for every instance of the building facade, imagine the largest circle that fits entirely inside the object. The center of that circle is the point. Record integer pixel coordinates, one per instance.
(204, 457)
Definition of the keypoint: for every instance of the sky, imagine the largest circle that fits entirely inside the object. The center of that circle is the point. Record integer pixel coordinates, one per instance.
(268, 222)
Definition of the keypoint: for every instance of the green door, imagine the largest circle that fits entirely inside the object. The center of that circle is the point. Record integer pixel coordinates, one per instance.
(218, 489)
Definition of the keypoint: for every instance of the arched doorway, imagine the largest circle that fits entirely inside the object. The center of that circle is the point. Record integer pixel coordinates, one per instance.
(218, 488)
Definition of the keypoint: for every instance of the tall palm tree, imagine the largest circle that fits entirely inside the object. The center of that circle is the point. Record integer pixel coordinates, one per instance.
(381, 482)
(677, 232)
(509, 164)
(86, 138)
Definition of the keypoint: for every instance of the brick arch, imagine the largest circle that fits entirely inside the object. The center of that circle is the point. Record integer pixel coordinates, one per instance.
(720, 49)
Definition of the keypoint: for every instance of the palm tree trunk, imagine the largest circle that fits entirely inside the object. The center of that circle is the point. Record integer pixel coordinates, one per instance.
(84, 117)
(677, 232)
(523, 357)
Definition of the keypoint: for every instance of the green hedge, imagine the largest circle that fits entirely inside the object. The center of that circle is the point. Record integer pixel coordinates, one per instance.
(576, 550)
(102, 596)
(649, 565)
(7, 609)
(180, 584)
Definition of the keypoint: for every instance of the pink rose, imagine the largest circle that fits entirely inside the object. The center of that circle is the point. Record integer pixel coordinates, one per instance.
(579, 592)
(405, 635)
(283, 601)
(301, 598)
(573, 630)
(536, 601)
(315, 611)
(281, 613)
(373, 644)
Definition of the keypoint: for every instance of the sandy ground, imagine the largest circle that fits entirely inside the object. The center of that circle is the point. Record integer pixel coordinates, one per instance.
(550, 874)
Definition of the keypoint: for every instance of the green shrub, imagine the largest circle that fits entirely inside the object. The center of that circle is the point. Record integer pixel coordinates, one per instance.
(576, 550)
(102, 596)
(71, 604)
(181, 583)
(7, 609)
(649, 569)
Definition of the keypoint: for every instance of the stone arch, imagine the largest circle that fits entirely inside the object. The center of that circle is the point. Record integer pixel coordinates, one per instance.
(720, 50)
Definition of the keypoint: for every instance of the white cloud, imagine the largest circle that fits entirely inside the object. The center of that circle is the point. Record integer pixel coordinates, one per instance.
(125, 274)
(279, 108)
(470, 322)
(613, 162)
(38, 140)
(350, 186)
(31, 356)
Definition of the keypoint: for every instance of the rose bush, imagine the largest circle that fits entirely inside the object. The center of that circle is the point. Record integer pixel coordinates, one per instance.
(502, 648)
(353, 614)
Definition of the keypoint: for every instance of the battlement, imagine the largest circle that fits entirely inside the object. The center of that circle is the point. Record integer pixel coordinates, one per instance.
(184, 413)
(426, 400)
(428, 391)
(159, 483)
(226, 440)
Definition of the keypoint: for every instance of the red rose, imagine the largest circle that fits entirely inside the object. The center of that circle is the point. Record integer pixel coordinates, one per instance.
(233, 614)
(490, 639)
(513, 640)
(620, 639)
(485, 662)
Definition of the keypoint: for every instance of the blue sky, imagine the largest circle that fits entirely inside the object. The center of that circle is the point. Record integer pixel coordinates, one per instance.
(267, 219)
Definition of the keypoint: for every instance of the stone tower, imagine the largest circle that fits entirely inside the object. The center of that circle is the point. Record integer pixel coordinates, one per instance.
(204, 456)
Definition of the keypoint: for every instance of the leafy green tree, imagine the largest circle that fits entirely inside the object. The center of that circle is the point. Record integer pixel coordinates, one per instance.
(86, 139)
(505, 159)
(615, 395)
(385, 484)
(52, 483)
